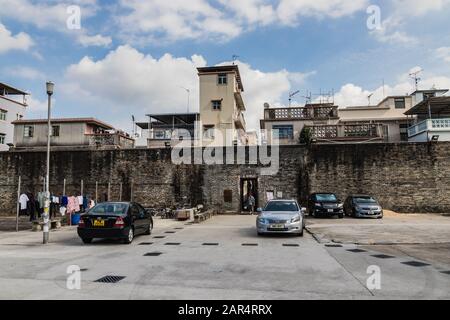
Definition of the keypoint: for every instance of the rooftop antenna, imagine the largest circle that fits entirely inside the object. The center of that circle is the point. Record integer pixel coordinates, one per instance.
(188, 91)
(369, 97)
(234, 57)
(291, 95)
(308, 97)
(415, 76)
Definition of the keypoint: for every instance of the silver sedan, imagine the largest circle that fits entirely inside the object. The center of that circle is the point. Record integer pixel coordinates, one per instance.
(281, 216)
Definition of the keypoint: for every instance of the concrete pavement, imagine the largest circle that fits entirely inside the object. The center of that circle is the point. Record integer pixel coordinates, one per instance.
(236, 264)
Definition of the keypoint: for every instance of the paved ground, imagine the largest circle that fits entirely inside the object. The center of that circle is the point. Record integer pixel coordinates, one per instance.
(306, 269)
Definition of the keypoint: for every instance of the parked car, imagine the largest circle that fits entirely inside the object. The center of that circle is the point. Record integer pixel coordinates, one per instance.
(363, 206)
(281, 216)
(325, 205)
(115, 220)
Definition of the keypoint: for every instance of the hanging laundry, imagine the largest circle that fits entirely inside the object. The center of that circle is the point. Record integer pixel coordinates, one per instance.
(23, 200)
(73, 205)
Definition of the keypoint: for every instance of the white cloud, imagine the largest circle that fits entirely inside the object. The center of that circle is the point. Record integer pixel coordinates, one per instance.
(129, 82)
(443, 53)
(96, 40)
(24, 72)
(387, 33)
(8, 41)
(354, 95)
(222, 19)
(402, 13)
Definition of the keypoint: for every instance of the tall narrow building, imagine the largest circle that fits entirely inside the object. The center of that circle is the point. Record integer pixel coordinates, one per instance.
(222, 106)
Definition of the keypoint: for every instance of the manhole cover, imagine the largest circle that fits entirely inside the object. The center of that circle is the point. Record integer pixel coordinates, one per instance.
(172, 244)
(382, 256)
(290, 245)
(145, 243)
(415, 264)
(356, 250)
(333, 245)
(110, 279)
(153, 254)
(250, 244)
(210, 244)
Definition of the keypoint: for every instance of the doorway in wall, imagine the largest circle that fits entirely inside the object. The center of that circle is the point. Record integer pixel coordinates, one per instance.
(249, 186)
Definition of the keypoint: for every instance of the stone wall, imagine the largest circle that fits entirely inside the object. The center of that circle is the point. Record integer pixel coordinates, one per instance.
(404, 177)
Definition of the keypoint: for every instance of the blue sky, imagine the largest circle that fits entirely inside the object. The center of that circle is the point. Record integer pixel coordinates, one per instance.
(133, 57)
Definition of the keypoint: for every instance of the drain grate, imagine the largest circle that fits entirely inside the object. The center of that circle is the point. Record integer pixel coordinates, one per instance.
(210, 244)
(179, 228)
(415, 264)
(172, 244)
(382, 256)
(170, 232)
(250, 244)
(290, 245)
(153, 254)
(84, 269)
(110, 279)
(356, 250)
(145, 243)
(446, 272)
(159, 237)
(333, 245)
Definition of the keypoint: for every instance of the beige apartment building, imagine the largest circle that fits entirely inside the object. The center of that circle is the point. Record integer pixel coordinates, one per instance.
(385, 121)
(221, 106)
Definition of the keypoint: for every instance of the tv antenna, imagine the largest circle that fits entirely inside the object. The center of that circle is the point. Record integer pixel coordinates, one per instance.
(188, 91)
(291, 95)
(415, 76)
(234, 57)
(369, 97)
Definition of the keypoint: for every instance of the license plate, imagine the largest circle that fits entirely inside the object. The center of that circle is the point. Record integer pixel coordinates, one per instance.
(277, 226)
(330, 210)
(99, 223)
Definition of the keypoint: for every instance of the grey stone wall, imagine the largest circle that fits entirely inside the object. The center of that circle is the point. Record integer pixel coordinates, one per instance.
(404, 177)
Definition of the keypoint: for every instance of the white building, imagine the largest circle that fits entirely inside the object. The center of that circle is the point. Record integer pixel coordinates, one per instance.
(13, 105)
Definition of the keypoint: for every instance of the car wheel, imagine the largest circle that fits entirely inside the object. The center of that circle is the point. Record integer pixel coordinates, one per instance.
(149, 230)
(87, 240)
(130, 237)
(341, 216)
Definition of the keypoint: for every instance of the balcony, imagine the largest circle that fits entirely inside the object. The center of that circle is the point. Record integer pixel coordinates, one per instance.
(302, 113)
(430, 125)
(353, 132)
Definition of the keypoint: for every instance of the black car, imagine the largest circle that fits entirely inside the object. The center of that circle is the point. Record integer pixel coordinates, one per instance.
(363, 206)
(115, 220)
(325, 205)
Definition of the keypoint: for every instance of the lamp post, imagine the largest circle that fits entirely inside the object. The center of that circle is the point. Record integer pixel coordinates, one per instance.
(50, 86)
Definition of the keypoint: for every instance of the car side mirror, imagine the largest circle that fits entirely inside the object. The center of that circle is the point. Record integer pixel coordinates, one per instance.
(259, 210)
(304, 210)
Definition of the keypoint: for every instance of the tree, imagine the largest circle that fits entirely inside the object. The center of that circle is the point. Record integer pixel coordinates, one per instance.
(306, 136)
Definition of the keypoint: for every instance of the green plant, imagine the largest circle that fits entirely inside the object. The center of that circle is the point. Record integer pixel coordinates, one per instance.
(306, 136)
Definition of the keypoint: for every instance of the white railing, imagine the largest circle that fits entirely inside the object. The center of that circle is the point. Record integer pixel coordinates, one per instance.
(430, 125)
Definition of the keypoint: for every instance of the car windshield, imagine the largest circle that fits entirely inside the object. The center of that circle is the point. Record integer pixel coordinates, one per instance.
(364, 200)
(278, 206)
(326, 197)
(116, 209)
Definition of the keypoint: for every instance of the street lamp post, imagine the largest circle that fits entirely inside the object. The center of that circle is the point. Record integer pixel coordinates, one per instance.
(46, 216)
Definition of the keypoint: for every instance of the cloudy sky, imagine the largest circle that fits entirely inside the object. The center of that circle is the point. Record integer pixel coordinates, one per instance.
(132, 57)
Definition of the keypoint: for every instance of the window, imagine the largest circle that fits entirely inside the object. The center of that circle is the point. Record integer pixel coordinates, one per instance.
(28, 131)
(208, 131)
(222, 79)
(403, 132)
(400, 103)
(3, 114)
(428, 95)
(217, 104)
(284, 132)
(228, 196)
(2, 138)
(55, 131)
